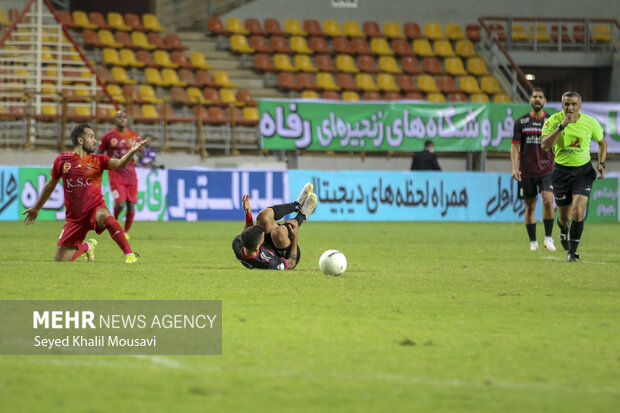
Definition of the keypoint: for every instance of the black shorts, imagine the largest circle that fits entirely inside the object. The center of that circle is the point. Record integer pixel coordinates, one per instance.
(530, 187)
(572, 180)
(282, 252)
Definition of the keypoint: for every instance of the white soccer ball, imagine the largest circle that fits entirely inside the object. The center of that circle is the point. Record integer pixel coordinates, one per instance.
(333, 262)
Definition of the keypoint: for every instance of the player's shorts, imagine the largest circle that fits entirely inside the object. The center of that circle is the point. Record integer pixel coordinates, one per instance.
(123, 192)
(572, 180)
(74, 232)
(530, 187)
(282, 252)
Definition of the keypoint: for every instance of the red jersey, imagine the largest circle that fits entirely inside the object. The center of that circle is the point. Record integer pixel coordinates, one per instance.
(534, 162)
(81, 180)
(116, 144)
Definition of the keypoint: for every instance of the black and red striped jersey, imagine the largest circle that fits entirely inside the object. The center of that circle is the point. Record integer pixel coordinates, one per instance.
(266, 258)
(534, 161)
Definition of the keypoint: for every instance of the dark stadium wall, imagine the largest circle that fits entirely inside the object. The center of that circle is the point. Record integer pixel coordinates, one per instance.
(119, 6)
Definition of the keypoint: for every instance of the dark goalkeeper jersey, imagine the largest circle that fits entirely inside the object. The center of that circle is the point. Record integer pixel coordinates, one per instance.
(266, 259)
(534, 162)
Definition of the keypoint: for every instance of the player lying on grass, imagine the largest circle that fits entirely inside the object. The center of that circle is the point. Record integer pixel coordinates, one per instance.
(81, 173)
(270, 245)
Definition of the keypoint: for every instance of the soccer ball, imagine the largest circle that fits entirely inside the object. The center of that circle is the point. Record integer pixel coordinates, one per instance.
(333, 262)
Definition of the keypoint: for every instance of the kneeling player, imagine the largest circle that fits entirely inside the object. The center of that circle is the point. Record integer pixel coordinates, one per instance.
(269, 245)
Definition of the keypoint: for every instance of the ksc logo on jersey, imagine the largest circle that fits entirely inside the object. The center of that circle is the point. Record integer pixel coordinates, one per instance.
(66, 167)
(113, 142)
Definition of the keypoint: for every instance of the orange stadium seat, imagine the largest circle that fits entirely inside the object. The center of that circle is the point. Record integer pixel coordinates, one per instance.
(244, 96)
(303, 63)
(372, 29)
(145, 57)
(65, 18)
(263, 63)
(454, 31)
(371, 95)
(433, 31)
(410, 65)
(205, 79)
(472, 32)
(235, 26)
(406, 83)
(350, 96)
(367, 64)
(272, 27)
(465, 48)
(457, 97)
(447, 84)
(476, 66)
(313, 28)
(497, 31)
(215, 26)
(124, 39)
(254, 27)
(91, 39)
(556, 36)
(392, 96)
(352, 29)
(188, 76)
(380, 46)
(259, 44)
(98, 20)
(330, 94)
(392, 30)
(332, 28)
(342, 45)
(299, 45)
(104, 75)
(319, 45)
(345, 63)
(432, 65)
(360, 46)
(326, 81)
(179, 58)
(454, 66)
(151, 22)
(133, 20)
(117, 21)
(386, 82)
(426, 83)
(306, 81)
(388, 64)
(156, 40)
(293, 28)
(469, 84)
(412, 31)
(287, 80)
(347, 82)
(422, 47)
(401, 47)
(280, 45)
(325, 63)
(283, 63)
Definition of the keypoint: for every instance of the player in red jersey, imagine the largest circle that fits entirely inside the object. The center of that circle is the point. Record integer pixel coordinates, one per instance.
(81, 173)
(123, 182)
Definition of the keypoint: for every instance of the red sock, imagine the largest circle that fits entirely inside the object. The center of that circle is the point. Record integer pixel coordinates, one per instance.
(117, 211)
(81, 250)
(117, 234)
(129, 219)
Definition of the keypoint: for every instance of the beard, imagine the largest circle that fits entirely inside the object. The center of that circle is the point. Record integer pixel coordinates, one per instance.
(89, 149)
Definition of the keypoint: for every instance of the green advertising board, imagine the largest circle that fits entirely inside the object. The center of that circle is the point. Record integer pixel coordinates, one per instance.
(603, 205)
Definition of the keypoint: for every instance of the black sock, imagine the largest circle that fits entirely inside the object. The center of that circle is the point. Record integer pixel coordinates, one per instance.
(531, 231)
(281, 210)
(548, 226)
(300, 218)
(576, 228)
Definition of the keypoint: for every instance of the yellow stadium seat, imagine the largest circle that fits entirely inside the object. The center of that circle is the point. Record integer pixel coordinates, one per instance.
(326, 81)
(149, 111)
(469, 84)
(171, 78)
(235, 25)
(309, 94)
(345, 63)
(304, 63)
(518, 33)
(221, 78)
(436, 97)
(4, 20)
(351, 28)
(490, 85)
(151, 22)
(443, 48)
(299, 45)
(422, 47)
(116, 20)
(48, 88)
(116, 92)
(332, 28)
(380, 46)
(389, 65)
(454, 31)
(46, 54)
(386, 82)
(106, 37)
(392, 30)
(426, 83)
(250, 113)
(128, 58)
(540, 33)
(49, 110)
(119, 74)
(111, 58)
(228, 96)
(162, 58)
(83, 110)
(479, 98)
(140, 40)
(195, 95)
(477, 67)
(501, 98)
(465, 48)
(153, 76)
(433, 31)
(198, 59)
(365, 82)
(350, 96)
(148, 94)
(81, 19)
(293, 27)
(454, 66)
(601, 33)
(239, 44)
(283, 63)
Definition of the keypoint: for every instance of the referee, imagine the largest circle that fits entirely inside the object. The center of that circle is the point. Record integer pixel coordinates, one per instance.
(569, 133)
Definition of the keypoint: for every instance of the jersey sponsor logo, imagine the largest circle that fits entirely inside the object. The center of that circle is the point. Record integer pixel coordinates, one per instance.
(71, 183)
(575, 143)
(66, 167)
(524, 120)
(113, 142)
(265, 257)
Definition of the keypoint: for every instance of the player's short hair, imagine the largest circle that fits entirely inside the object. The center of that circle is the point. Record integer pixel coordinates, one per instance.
(538, 89)
(250, 237)
(78, 132)
(571, 95)
(428, 144)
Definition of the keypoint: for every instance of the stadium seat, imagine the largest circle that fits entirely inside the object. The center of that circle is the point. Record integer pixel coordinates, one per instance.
(221, 78)
(259, 44)
(447, 84)
(386, 82)
(392, 96)
(468, 84)
(251, 114)
(426, 83)
(140, 40)
(287, 80)
(432, 65)
(151, 22)
(365, 82)
(433, 31)
(325, 63)
(299, 45)
(352, 29)
(228, 97)
(244, 96)
(392, 30)
(412, 31)
(198, 59)
(241, 99)
(120, 75)
(490, 85)
(149, 112)
(204, 78)
(107, 38)
(211, 95)
(421, 47)
(104, 75)
(406, 83)
(179, 58)
(173, 42)
(330, 94)
(465, 48)
(134, 21)
(98, 20)
(381, 47)
(117, 21)
(156, 40)
(303, 63)
(253, 26)
(105, 114)
(367, 64)
(347, 82)
(479, 98)
(454, 32)
(501, 98)
(360, 46)
(472, 32)
(145, 57)
(293, 28)
(235, 26)
(401, 47)
(477, 67)
(410, 65)
(91, 39)
(313, 28)
(540, 33)
(64, 17)
(437, 97)
(216, 27)
(497, 31)
(153, 77)
(578, 33)
(319, 45)
(457, 97)
(239, 44)
(148, 94)
(263, 63)
(371, 95)
(601, 33)
(111, 58)
(326, 81)
(346, 64)
(388, 64)
(454, 66)
(280, 45)
(216, 116)
(518, 33)
(128, 58)
(188, 76)
(342, 45)
(195, 95)
(124, 39)
(372, 29)
(81, 19)
(332, 28)
(272, 27)
(162, 58)
(283, 63)
(350, 96)
(556, 36)
(306, 81)
(443, 48)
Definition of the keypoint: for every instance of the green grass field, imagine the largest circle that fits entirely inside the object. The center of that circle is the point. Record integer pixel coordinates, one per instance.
(428, 317)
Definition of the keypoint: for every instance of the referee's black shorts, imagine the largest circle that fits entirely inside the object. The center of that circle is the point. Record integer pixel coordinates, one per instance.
(571, 180)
